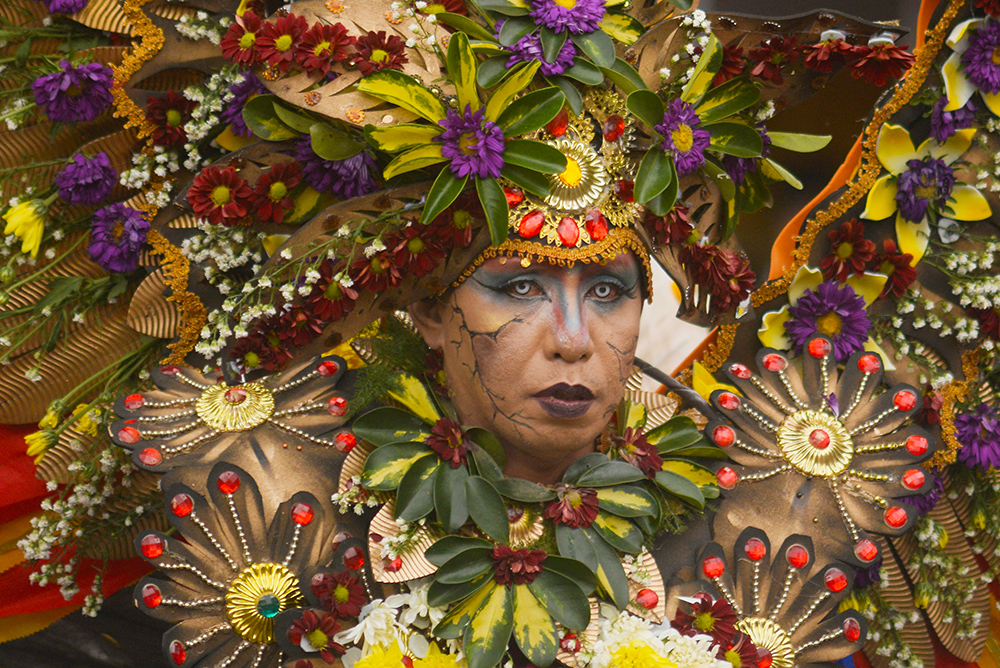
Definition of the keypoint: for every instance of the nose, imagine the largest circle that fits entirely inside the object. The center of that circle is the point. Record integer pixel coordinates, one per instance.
(570, 338)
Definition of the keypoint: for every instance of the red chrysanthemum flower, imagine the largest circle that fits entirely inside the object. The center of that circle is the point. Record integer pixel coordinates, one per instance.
(278, 42)
(454, 226)
(877, 64)
(516, 566)
(220, 196)
(824, 56)
(375, 51)
(714, 617)
(318, 632)
(168, 114)
(850, 252)
(272, 197)
(377, 272)
(576, 507)
(637, 451)
(262, 349)
(989, 322)
(732, 66)
(674, 228)
(322, 46)
(418, 252)
(991, 7)
(239, 44)
(449, 442)
(299, 326)
(740, 652)
(930, 411)
(773, 56)
(330, 301)
(340, 593)
(897, 266)
(727, 275)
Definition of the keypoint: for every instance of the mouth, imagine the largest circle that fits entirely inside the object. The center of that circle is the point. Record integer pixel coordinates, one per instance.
(565, 401)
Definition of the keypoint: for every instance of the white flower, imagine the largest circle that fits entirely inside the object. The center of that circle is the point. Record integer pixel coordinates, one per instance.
(377, 625)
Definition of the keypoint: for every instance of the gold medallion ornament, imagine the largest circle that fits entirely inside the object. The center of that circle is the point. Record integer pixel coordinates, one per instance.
(256, 597)
(815, 443)
(235, 408)
(767, 635)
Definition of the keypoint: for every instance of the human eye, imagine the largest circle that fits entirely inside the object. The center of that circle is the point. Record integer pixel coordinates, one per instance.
(522, 288)
(607, 290)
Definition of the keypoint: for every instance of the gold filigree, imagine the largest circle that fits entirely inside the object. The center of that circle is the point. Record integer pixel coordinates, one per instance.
(582, 183)
(151, 40)
(832, 451)
(236, 408)
(952, 393)
(176, 269)
(256, 596)
(765, 634)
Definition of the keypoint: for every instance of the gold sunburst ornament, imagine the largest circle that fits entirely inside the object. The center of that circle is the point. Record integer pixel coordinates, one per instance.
(815, 443)
(236, 408)
(256, 597)
(767, 635)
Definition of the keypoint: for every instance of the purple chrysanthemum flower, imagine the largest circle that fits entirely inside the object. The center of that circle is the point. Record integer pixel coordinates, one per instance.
(924, 503)
(232, 113)
(529, 48)
(76, 94)
(835, 312)
(738, 168)
(946, 123)
(978, 60)
(979, 434)
(116, 237)
(86, 180)
(866, 577)
(580, 17)
(472, 145)
(926, 182)
(348, 178)
(65, 6)
(682, 138)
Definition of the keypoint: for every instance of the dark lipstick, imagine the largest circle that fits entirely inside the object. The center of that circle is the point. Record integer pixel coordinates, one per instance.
(565, 401)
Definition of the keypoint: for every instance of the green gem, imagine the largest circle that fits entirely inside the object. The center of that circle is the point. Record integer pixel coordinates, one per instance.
(269, 605)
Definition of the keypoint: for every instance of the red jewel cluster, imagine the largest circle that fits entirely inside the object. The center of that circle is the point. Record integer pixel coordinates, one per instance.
(851, 255)
(168, 115)
(516, 567)
(568, 230)
(222, 197)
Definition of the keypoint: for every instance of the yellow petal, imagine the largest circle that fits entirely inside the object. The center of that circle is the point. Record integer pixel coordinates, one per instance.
(967, 203)
(992, 101)
(894, 148)
(705, 383)
(957, 87)
(772, 330)
(913, 237)
(873, 347)
(881, 202)
(231, 141)
(950, 151)
(958, 33)
(273, 242)
(869, 285)
(806, 278)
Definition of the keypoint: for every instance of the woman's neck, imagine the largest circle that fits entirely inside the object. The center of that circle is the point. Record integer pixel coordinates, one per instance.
(542, 470)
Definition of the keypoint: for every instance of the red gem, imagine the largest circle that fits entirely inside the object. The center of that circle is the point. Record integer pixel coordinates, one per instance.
(613, 127)
(740, 371)
(302, 514)
(228, 482)
(392, 565)
(129, 435)
(723, 436)
(151, 595)
(905, 400)
(150, 457)
(913, 479)
(625, 190)
(151, 546)
(181, 505)
(235, 395)
(337, 406)
(327, 368)
(597, 225)
(869, 363)
(835, 579)
(568, 231)
(177, 652)
(764, 658)
(170, 370)
(916, 445)
(713, 567)
(865, 550)
(727, 477)
(514, 196)
(134, 402)
(557, 126)
(345, 441)
(354, 558)
(531, 224)
(774, 362)
(819, 348)
(895, 516)
(570, 643)
(852, 630)
(407, 662)
(755, 549)
(647, 598)
(797, 556)
(729, 401)
(514, 513)
(819, 439)
(338, 540)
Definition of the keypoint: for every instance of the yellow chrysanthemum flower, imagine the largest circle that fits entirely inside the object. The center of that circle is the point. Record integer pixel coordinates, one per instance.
(39, 442)
(381, 657)
(639, 655)
(26, 221)
(84, 423)
(50, 421)
(437, 659)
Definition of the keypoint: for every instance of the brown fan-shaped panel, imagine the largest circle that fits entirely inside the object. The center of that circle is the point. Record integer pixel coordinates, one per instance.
(150, 313)
(104, 15)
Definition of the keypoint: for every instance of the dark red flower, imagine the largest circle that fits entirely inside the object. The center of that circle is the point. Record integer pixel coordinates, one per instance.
(773, 56)
(674, 228)
(375, 51)
(877, 64)
(220, 196)
(168, 114)
(458, 7)
(330, 301)
(299, 326)
(824, 56)
(732, 66)
(239, 44)
(516, 566)
(576, 507)
(897, 266)
(340, 593)
(278, 42)
(449, 442)
(272, 197)
(322, 46)
(727, 275)
(740, 652)
(318, 632)
(262, 349)
(714, 617)
(454, 225)
(377, 272)
(850, 252)
(991, 7)
(419, 251)
(637, 451)
(989, 322)
(930, 411)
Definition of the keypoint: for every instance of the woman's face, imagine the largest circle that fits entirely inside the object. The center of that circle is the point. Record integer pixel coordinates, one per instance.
(538, 355)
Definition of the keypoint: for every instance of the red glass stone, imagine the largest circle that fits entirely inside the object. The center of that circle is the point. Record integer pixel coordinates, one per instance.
(613, 128)
(726, 477)
(150, 457)
(869, 363)
(916, 445)
(740, 371)
(302, 514)
(327, 368)
(514, 196)
(392, 565)
(729, 401)
(797, 556)
(913, 479)
(129, 435)
(713, 567)
(170, 370)
(596, 224)
(338, 540)
(570, 643)
(625, 190)
(177, 652)
(345, 441)
(895, 516)
(151, 595)
(375, 537)
(235, 395)
(835, 579)
(557, 126)
(865, 550)
(568, 231)
(852, 629)
(407, 662)
(531, 224)
(354, 558)
(337, 406)
(134, 402)
(647, 598)
(764, 658)
(151, 546)
(819, 439)
(774, 362)
(723, 436)
(755, 549)
(819, 348)
(905, 400)
(228, 482)
(181, 505)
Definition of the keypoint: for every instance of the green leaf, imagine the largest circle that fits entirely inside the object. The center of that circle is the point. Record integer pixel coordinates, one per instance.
(618, 532)
(494, 202)
(534, 155)
(704, 72)
(504, 7)
(512, 85)
(491, 71)
(514, 29)
(465, 24)
(482, 464)
(622, 27)
(654, 175)
(582, 465)
(681, 487)
(441, 595)
(454, 623)
(416, 158)
(446, 188)
(403, 136)
(736, 139)
(468, 565)
(610, 574)
(261, 119)
(296, 121)
(552, 44)
(704, 451)
(677, 432)
(665, 201)
(775, 171)
(626, 501)
(563, 599)
(573, 97)
(722, 179)
(386, 466)
(800, 143)
(450, 502)
(575, 544)
(486, 637)
(610, 473)
(647, 106)
(694, 472)
(576, 572)
(415, 396)
(489, 443)
(585, 72)
(530, 181)
(634, 413)
(518, 489)
(462, 71)
(444, 549)
(404, 91)
(414, 497)
(533, 628)
(532, 111)
(624, 76)
(727, 99)
(386, 424)
(308, 203)
(598, 47)
(487, 509)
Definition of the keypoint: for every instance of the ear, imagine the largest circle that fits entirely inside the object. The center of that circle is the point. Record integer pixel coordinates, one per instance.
(428, 318)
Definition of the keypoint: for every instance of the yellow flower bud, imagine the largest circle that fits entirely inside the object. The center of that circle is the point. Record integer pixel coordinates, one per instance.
(26, 221)
(39, 442)
(979, 519)
(84, 423)
(50, 421)
(943, 541)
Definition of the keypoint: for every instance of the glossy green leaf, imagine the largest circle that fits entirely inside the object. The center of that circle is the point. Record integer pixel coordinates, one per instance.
(654, 175)
(634, 414)
(444, 549)
(487, 510)
(618, 532)
(486, 637)
(489, 443)
(454, 623)
(647, 107)
(531, 111)
(575, 571)
(624, 76)
(736, 139)
(394, 138)
(665, 201)
(727, 99)
(682, 4)
(610, 574)
(504, 7)
(416, 158)
(552, 44)
(681, 487)
(513, 30)
(775, 171)
(585, 72)
(386, 466)
(462, 71)
(308, 203)
(626, 501)
(575, 544)
(573, 97)
(722, 179)
(800, 143)
(508, 90)
(414, 395)
(482, 464)
(386, 424)
(530, 181)
(563, 599)
(464, 24)
(261, 119)
(440, 595)
(534, 155)
(694, 472)
(732, 217)
(414, 498)
(468, 565)
(610, 473)
(494, 202)
(754, 193)
(582, 465)
(533, 628)
(445, 189)
(404, 91)
(598, 47)
(296, 121)
(622, 27)
(704, 72)
(491, 71)
(706, 451)
(488, 49)
(450, 502)
(518, 489)
(677, 432)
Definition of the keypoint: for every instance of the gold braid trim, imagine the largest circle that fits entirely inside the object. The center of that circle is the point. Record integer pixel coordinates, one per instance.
(718, 351)
(193, 316)
(618, 241)
(952, 393)
(151, 40)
